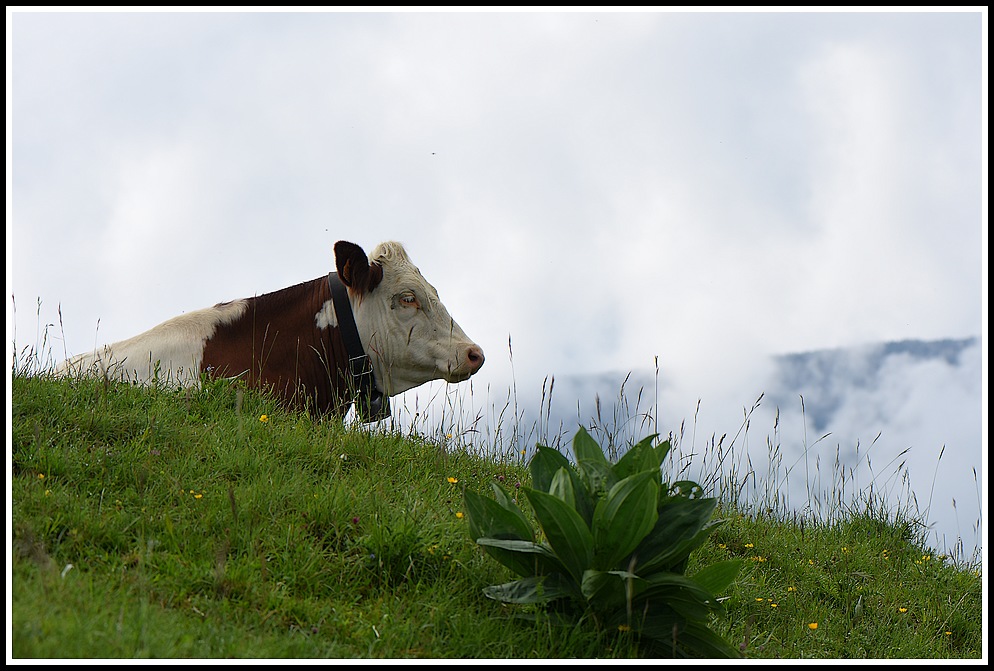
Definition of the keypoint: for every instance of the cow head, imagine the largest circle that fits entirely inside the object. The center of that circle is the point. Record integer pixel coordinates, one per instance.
(406, 331)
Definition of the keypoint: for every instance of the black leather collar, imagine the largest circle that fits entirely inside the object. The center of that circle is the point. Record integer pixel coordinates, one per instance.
(370, 403)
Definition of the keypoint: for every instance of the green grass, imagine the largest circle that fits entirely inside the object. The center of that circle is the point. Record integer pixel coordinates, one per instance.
(152, 523)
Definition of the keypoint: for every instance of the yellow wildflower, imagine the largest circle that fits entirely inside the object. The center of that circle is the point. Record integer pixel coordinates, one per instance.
(812, 626)
(264, 418)
(452, 480)
(459, 515)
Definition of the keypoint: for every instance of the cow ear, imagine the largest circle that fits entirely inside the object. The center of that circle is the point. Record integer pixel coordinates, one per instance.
(354, 268)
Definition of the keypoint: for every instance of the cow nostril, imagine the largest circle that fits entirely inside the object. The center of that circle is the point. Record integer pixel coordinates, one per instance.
(475, 356)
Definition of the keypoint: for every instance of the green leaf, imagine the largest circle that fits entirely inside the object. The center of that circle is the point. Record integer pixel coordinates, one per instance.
(534, 589)
(492, 519)
(562, 487)
(505, 500)
(586, 448)
(680, 593)
(523, 557)
(639, 457)
(686, 489)
(658, 622)
(608, 590)
(488, 517)
(594, 468)
(662, 450)
(521, 564)
(697, 640)
(565, 530)
(624, 517)
(674, 535)
(526, 547)
(692, 544)
(544, 465)
(717, 577)
(666, 633)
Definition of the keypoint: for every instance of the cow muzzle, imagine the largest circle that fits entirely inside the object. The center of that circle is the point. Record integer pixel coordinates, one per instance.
(469, 361)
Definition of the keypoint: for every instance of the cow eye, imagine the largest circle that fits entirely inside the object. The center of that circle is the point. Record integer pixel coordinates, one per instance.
(409, 300)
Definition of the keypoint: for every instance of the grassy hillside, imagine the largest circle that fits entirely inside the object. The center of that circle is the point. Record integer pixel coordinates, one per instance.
(210, 524)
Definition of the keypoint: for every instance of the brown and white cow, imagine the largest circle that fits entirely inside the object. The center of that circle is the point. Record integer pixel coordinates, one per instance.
(296, 341)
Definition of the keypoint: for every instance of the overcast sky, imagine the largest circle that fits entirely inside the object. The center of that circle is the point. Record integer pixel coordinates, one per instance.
(601, 188)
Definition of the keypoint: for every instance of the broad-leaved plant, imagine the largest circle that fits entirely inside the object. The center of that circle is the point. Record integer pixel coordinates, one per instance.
(613, 543)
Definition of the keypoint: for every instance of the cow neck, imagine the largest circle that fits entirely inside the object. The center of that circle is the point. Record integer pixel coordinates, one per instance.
(371, 405)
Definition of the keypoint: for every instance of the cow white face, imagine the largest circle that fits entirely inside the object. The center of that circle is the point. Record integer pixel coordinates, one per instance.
(405, 330)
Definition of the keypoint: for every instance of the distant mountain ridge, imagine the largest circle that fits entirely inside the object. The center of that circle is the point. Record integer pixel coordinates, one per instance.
(816, 375)
(823, 378)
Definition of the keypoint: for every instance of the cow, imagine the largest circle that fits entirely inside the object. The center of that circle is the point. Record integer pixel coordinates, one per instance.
(371, 330)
